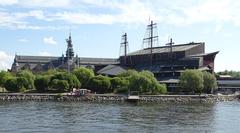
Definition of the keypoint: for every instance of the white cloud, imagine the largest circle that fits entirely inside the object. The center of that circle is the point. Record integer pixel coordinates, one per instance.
(218, 28)
(18, 21)
(37, 3)
(49, 40)
(173, 13)
(8, 2)
(37, 14)
(44, 53)
(202, 11)
(129, 12)
(81, 18)
(23, 40)
(6, 60)
(134, 12)
(46, 3)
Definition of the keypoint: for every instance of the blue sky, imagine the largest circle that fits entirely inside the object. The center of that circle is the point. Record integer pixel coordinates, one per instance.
(40, 27)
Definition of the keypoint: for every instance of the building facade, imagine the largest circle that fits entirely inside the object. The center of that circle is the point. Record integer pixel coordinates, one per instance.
(165, 62)
(67, 62)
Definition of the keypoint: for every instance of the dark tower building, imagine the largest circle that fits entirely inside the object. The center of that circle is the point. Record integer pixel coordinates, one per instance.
(69, 52)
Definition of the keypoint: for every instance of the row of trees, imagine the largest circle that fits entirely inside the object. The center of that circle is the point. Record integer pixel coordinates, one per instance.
(60, 81)
(233, 74)
(17, 82)
(195, 81)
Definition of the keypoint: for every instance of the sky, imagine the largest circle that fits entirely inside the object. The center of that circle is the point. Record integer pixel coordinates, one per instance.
(40, 27)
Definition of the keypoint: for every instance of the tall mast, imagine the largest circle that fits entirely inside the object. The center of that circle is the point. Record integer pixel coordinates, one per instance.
(151, 39)
(170, 44)
(124, 44)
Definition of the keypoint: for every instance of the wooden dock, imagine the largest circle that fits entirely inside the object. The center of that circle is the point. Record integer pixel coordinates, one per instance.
(133, 99)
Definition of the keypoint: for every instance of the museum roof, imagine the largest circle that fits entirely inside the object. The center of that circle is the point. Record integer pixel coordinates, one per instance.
(165, 49)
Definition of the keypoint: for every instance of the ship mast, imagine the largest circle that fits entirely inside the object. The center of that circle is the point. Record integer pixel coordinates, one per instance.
(151, 39)
(124, 46)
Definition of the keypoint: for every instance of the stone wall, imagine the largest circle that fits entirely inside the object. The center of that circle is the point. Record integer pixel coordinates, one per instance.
(186, 98)
(120, 98)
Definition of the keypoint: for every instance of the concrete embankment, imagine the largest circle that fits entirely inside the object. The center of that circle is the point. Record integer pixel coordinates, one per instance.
(119, 98)
(187, 98)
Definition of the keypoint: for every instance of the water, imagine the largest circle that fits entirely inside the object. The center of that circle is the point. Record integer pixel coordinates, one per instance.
(65, 117)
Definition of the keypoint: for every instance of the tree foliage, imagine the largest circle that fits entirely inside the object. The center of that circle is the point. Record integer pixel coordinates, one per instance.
(28, 75)
(71, 79)
(42, 83)
(16, 84)
(83, 75)
(210, 83)
(4, 76)
(144, 82)
(191, 81)
(100, 84)
(57, 80)
(197, 81)
(119, 84)
(60, 85)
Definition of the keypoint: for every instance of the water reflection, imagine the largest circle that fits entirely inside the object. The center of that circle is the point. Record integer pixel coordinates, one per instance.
(171, 117)
(121, 117)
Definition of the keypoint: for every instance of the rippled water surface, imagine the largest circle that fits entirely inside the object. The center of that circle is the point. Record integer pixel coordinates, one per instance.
(58, 117)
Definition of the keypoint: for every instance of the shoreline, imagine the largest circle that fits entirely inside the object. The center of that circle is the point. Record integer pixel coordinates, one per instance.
(117, 98)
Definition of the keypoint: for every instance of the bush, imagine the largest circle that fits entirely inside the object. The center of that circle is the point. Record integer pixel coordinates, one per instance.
(160, 89)
(72, 80)
(144, 82)
(4, 76)
(128, 73)
(41, 83)
(119, 85)
(210, 82)
(16, 84)
(100, 84)
(60, 85)
(28, 75)
(83, 75)
(191, 81)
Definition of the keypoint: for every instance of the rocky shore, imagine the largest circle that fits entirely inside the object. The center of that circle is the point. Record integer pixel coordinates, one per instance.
(119, 98)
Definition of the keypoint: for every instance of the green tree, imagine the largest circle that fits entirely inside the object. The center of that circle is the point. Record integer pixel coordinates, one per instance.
(233, 74)
(16, 84)
(191, 81)
(4, 76)
(83, 74)
(60, 85)
(210, 82)
(72, 80)
(119, 85)
(160, 89)
(152, 81)
(100, 84)
(128, 73)
(28, 75)
(144, 82)
(42, 83)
